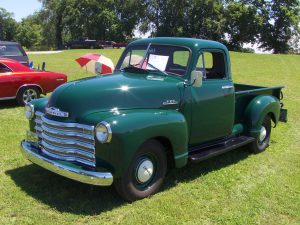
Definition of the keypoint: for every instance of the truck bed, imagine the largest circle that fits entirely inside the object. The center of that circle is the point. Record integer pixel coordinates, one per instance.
(244, 93)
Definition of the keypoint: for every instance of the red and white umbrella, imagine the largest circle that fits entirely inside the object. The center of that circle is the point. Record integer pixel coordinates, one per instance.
(96, 63)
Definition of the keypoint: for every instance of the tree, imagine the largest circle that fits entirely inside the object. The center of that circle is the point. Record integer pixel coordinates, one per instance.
(30, 33)
(54, 12)
(8, 26)
(280, 19)
(204, 18)
(242, 24)
(190, 18)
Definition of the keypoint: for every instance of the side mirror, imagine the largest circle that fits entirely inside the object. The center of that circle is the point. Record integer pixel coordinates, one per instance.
(196, 78)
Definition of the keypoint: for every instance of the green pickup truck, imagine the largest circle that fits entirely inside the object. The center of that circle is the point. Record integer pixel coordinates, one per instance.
(169, 101)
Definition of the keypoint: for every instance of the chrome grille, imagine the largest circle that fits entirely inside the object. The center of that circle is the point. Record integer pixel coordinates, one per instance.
(66, 141)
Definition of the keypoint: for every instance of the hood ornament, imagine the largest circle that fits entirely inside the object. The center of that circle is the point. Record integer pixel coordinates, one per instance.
(56, 112)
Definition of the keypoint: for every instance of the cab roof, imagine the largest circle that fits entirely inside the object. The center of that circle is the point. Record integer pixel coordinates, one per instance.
(192, 43)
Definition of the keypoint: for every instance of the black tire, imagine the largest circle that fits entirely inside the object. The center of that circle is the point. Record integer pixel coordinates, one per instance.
(130, 186)
(262, 142)
(27, 94)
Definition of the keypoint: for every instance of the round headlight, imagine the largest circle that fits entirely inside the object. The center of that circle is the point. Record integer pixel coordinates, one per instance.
(103, 132)
(29, 111)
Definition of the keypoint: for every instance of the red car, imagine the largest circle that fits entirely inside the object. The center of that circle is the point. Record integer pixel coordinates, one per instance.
(24, 84)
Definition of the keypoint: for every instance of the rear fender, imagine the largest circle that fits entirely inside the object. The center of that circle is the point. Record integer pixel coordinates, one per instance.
(257, 110)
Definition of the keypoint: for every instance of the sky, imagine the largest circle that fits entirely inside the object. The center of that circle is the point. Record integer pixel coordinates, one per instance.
(20, 8)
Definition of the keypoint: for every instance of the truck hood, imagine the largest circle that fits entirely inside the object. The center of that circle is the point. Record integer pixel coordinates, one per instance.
(116, 91)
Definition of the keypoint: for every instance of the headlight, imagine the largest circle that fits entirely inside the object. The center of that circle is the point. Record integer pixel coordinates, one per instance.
(29, 111)
(103, 132)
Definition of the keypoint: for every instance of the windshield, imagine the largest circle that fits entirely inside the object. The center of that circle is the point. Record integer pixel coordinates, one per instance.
(10, 50)
(166, 59)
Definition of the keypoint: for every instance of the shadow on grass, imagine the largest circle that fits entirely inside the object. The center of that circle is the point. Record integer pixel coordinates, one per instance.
(66, 195)
(8, 104)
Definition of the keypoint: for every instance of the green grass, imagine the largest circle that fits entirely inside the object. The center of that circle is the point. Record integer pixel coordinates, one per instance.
(236, 188)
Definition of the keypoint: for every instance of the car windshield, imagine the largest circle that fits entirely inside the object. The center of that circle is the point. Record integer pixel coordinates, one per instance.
(10, 50)
(166, 59)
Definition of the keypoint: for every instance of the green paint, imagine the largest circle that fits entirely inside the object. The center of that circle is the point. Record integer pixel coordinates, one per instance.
(134, 106)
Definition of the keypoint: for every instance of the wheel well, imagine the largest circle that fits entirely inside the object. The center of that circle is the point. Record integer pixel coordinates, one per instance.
(169, 150)
(31, 85)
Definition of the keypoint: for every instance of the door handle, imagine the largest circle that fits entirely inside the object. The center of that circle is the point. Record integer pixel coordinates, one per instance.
(227, 87)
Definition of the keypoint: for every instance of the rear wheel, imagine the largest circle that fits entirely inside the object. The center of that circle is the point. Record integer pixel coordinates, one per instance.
(263, 140)
(145, 174)
(27, 94)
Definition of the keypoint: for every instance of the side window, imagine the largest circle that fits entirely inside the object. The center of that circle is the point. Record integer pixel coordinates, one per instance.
(212, 64)
(4, 69)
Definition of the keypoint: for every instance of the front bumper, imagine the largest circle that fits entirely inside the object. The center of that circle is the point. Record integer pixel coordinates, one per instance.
(84, 176)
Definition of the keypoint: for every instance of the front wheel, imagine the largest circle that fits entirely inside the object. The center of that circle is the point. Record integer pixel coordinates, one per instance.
(263, 140)
(27, 94)
(145, 174)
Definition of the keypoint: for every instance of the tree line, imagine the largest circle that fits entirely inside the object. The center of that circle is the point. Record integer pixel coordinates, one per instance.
(274, 24)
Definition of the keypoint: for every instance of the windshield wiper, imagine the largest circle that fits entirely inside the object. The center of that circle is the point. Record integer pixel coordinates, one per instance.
(158, 70)
(133, 69)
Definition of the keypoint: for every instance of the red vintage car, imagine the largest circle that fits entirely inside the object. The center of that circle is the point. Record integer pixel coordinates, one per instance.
(24, 84)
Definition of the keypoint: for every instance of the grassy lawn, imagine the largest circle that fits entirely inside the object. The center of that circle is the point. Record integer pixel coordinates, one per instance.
(236, 188)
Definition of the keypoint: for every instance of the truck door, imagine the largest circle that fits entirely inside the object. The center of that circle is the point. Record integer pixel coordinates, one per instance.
(213, 102)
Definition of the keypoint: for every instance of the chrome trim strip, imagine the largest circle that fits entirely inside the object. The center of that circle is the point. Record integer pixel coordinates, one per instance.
(67, 125)
(84, 176)
(227, 87)
(60, 132)
(8, 98)
(38, 128)
(66, 151)
(67, 141)
(39, 114)
(39, 121)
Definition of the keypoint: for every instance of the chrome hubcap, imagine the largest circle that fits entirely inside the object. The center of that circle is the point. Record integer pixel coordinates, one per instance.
(144, 170)
(262, 134)
(29, 95)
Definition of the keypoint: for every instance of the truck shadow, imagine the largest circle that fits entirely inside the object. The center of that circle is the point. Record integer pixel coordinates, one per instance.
(66, 195)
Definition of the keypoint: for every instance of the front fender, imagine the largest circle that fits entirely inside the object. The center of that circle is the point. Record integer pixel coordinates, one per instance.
(131, 128)
(257, 110)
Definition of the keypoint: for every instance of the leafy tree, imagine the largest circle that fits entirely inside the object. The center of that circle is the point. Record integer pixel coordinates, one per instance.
(242, 24)
(8, 26)
(53, 12)
(191, 18)
(204, 18)
(280, 19)
(30, 33)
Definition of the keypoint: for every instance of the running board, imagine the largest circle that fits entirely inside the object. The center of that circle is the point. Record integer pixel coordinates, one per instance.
(204, 152)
